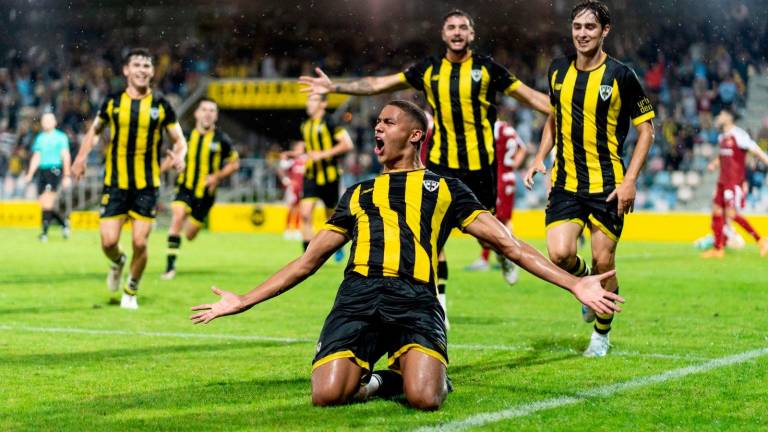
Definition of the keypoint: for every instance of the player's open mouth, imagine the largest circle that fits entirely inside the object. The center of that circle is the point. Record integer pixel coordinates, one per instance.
(379, 148)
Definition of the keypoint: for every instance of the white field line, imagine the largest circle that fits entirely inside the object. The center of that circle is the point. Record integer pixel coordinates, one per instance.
(221, 336)
(155, 334)
(603, 391)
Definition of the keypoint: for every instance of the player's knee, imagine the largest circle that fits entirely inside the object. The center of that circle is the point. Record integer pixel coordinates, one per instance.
(328, 396)
(562, 258)
(426, 398)
(603, 261)
(109, 243)
(139, 245)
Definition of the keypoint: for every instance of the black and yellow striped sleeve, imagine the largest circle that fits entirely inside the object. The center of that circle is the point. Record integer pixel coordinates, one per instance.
(342, 221)
(633, 96)
(503, 80)
(228, 152)
(103, 113)
(465, 206)
(334, 129)
(170, 115)
(414, 75)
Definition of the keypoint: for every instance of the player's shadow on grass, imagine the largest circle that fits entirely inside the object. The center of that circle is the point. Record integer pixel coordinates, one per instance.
(126, 355)
(541, 352)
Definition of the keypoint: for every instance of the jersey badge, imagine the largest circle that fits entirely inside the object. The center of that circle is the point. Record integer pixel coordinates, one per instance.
(605, 92)
(477, 74)
(431, 185)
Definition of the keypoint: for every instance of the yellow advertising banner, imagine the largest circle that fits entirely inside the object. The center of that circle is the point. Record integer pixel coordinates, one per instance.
(263, 94)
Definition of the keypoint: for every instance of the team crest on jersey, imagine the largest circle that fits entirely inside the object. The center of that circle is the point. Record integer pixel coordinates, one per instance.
(477, 74)
(214, 146)
(431, 185)
(154, 113)
(605, 92)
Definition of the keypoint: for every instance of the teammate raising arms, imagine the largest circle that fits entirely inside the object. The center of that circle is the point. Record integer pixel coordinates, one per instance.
(594, 100)
(734, 144)
(211, 159)
(461, 88)
(386, 303)
(136, 119)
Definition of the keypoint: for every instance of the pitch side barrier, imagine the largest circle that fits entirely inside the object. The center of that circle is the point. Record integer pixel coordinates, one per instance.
(271, 218)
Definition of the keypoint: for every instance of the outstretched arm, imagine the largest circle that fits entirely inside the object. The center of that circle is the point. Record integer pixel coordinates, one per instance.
(321, 84)
(533, 98)
(320, 249)
(587, 290)
(546, 145)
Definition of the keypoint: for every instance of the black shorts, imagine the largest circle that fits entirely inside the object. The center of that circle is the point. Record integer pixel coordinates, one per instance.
(198, 208)
(136, 203)
(328, 193)
(583, 209)
(374, 316)
(482, 182)
(48, 180)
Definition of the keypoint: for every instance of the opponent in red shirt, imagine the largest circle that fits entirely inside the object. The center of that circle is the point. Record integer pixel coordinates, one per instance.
(511, 151)
(291, 173)
(734, 144)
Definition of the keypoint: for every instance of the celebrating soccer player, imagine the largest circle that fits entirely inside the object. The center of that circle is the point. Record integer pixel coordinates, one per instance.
(210, 159)
(461, 88)
(137, 118)
(51, 156)
(387, 301)
(594, 99)
(734, 144)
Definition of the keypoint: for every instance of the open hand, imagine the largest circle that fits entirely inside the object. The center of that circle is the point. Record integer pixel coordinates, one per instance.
(589, 292)
(229, 304)
(320, 84)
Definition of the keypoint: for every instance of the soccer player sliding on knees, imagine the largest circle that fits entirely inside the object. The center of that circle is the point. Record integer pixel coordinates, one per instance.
(387, 303)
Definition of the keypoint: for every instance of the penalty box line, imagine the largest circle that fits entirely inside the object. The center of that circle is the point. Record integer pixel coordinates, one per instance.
(524, 410)
(259, 338)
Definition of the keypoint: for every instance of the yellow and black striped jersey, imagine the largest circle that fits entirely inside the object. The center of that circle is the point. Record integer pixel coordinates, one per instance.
(320, 135)
(463, 100)
(592, 111)
(132, 159)
(207, 154)
(399, 222)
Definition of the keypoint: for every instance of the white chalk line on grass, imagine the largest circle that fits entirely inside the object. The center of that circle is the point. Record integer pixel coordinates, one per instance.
(221, 336)
(524, 410)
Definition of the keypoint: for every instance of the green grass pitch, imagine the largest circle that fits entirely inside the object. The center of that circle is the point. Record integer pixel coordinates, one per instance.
(70, 362)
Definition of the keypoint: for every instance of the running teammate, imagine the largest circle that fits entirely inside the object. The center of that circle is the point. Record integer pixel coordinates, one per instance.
(324, 142)
(594, 99)
(136, 118)
(386, 303)
(735, 143)
(461, 87)
(50, 153)
(211, 158)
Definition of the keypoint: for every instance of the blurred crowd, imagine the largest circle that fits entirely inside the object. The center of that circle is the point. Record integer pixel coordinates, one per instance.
(690, 71)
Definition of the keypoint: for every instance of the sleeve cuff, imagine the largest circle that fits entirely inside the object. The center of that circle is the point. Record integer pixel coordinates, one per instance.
(512, 87)
(471, 218)
(334, 228)
(643, 118)
(402, 77)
